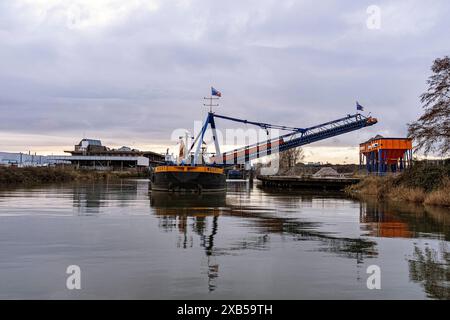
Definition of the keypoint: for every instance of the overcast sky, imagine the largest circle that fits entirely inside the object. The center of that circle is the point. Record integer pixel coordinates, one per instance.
(130, 72)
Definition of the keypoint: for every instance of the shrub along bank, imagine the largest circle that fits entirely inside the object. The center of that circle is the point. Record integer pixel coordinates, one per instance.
(423, 183)
(38, 175)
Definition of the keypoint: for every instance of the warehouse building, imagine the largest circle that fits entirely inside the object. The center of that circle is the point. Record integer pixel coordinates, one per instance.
(91, 154)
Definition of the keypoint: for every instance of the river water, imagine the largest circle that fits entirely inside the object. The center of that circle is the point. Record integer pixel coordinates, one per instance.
(249, 243)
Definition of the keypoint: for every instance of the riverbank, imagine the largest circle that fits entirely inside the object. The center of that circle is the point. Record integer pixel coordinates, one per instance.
(40, 175)
(424, 184)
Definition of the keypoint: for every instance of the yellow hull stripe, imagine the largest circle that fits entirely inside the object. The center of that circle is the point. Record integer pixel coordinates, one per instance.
(188, 169)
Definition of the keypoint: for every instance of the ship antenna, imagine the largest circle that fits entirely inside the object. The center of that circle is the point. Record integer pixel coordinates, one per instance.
(210, 103)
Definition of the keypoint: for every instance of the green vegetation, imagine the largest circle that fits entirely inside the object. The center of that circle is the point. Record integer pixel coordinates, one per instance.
(38, 175)
(423, 183)
(424, 175)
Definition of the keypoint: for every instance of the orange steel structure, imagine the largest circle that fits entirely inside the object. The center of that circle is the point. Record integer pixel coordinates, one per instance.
(382, 155)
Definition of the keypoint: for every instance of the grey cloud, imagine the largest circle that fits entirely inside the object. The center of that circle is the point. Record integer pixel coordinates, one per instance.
(290, 62)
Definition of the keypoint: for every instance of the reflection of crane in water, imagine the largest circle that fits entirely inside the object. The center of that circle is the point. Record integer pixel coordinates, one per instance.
(206, 241)
(208, 244)
(175, 211)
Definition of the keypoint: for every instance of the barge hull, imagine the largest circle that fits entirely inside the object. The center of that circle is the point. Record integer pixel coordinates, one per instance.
(188, 179)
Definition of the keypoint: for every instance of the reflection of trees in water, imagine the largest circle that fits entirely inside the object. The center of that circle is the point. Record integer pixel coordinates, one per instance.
(431, 268)
(403, 219)
(200, 215)
(89, 197)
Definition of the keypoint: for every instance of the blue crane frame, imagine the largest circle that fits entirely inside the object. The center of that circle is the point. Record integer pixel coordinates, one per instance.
(297, 137)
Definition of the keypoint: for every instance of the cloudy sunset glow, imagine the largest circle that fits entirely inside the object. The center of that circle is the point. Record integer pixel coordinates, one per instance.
(131, 72)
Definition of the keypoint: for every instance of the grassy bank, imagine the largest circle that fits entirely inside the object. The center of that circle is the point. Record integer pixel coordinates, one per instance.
(423, 183)
(39, 175)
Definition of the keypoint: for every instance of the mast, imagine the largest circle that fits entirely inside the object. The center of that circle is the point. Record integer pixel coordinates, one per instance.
(208, 121)
(210, 104)
(212, 122)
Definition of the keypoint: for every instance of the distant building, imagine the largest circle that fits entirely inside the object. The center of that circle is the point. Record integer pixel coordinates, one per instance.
(20, 159)
(90, 153)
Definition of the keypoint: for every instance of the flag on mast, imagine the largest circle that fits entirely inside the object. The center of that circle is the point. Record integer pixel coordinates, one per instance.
(359, 107)
(215, 92)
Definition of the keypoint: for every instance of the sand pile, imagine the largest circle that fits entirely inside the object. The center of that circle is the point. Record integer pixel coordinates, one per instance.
(326, 172)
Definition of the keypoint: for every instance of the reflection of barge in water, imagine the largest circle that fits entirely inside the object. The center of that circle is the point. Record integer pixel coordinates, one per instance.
(188, 179)
(190, 202)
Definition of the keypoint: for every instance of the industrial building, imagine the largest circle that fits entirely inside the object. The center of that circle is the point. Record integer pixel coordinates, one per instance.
(91, 154)
(381, 155)
(20, 159)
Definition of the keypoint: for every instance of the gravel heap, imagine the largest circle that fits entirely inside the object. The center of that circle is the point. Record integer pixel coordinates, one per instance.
(326, 172)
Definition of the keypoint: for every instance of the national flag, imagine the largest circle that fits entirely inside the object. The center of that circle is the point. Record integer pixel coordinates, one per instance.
(359, 107)
(215, 92)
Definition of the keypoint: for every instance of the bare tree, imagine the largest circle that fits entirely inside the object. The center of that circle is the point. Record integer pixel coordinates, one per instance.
(432, 130)
(289, 158)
